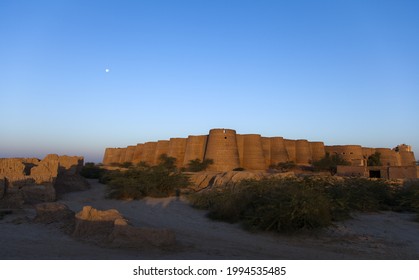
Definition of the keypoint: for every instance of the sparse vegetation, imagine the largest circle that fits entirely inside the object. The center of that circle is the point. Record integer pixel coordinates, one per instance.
(197, 165)
(283, 166)
(291, 204)
(330, 163)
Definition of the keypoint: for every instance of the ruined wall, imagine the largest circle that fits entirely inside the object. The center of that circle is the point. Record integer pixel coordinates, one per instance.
(222, 149)
(32, 180)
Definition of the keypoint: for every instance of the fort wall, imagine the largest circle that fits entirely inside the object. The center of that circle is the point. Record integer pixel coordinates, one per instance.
(195, 148)
(278, 150)
(388, 157)
(253, 156)
(177, 148)
(129, 154)
(290, 148)
(149, 151)
(302, 152)
(266, 146)
(351, 153)
(317, 151)
(138, 153)
(162, 147)
(407, 158)
(230, 150)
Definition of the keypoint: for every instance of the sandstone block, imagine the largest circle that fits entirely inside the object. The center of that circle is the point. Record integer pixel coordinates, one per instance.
(95, 224)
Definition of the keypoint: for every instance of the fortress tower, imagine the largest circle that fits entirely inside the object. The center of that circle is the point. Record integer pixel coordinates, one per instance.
(253, 156)
(278, 151)
(222, 149)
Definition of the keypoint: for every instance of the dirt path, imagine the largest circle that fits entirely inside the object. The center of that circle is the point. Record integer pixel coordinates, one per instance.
(369, 236)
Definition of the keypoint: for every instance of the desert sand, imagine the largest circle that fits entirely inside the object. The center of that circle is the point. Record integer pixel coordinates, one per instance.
(385, 235)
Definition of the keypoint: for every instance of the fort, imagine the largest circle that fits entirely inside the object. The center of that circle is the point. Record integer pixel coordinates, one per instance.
(230, 151)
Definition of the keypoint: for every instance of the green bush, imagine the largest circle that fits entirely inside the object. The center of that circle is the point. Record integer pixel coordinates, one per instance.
(144, 180)
(197, 165)
(329, 163)
(408, 197)
(289, 204)
(361, 194)
(92, 171)
(269, 204)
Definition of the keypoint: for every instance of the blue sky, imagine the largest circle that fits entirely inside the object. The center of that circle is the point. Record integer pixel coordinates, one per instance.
(342, 72)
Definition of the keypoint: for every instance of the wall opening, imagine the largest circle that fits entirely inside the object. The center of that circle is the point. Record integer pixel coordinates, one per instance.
(28, 167)
(375, 174)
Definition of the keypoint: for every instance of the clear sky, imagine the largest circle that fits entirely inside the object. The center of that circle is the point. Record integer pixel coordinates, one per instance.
(342, 72)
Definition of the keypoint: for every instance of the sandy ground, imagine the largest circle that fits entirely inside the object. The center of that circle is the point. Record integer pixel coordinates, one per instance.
(385, 235)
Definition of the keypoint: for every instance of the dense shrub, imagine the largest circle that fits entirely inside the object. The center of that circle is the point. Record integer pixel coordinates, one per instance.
(408, 198)
(283, 166)
(268, 204)
(329, 163)
(290, 204)
(361, 194)
(92, 171)
(197, 165)
(144, 180)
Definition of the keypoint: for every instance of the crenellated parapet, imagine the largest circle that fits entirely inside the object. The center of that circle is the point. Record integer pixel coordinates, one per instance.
(230, 150)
